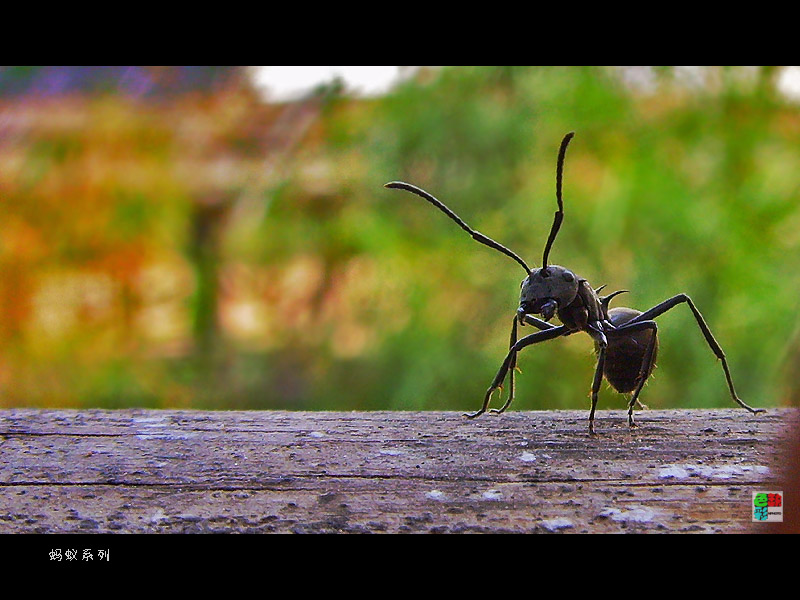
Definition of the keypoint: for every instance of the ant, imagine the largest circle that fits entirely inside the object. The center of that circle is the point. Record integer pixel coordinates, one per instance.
(625, 339)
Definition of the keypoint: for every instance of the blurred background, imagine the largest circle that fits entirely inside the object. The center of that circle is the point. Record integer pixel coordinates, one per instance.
(208, 237)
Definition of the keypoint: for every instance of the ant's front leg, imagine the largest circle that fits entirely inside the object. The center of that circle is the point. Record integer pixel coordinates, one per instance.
(512, 366)
(523, 319)
(497, 383)
(538, 323)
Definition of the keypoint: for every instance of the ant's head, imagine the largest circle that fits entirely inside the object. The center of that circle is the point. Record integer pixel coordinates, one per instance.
(546, 290)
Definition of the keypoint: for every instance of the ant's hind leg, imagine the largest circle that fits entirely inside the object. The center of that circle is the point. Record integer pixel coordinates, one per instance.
(712, 343)
(647, 363)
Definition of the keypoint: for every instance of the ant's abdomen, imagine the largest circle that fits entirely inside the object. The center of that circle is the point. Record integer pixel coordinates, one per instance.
(625, 354)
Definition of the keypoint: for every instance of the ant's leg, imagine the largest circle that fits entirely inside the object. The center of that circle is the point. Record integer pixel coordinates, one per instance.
(538, 323)
(598, 378)
(511, 367)
(534, 338)
(713, 344)
(647, 363)
(530, 320)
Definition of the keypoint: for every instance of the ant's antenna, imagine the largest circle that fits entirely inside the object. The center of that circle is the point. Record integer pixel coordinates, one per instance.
(559, 216)
(477, 236)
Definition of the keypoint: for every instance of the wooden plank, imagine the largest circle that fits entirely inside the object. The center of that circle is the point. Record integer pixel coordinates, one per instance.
(152, 471)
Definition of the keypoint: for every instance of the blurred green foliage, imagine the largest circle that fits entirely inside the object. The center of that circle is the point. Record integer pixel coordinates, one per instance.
(217, 252)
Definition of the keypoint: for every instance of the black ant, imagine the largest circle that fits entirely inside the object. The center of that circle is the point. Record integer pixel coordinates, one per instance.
(625, 339)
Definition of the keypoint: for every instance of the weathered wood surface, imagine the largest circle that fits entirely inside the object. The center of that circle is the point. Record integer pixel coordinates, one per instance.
(146, 471)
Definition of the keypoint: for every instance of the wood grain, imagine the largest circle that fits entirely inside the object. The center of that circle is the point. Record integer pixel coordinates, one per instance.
(166, 471)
